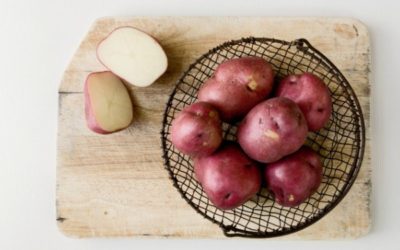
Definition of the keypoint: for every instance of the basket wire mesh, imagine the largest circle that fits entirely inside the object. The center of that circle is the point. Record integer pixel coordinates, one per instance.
(340, 143)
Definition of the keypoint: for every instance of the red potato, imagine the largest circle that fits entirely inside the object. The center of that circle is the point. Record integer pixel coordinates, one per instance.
(133, 55)
(312, 96)
(108, 106)
(197, 130)
(272, 129)
(238, 85)
(228, 177)
(294, 178)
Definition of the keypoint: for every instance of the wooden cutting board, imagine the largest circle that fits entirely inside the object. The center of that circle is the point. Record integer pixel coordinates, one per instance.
(116, 185)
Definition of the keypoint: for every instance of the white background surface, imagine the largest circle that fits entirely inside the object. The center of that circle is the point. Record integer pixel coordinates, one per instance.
(37, 40)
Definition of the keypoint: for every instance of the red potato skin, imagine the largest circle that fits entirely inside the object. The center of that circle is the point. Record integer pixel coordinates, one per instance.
(312, 96)
(238, 85)
(228, 177)
(294, 178)
(197, 130)
(98, 45)
(91, 119)
(272, 129)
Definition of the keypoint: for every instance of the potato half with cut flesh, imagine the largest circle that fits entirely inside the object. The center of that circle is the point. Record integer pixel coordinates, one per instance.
(108, 106)
(133, 55)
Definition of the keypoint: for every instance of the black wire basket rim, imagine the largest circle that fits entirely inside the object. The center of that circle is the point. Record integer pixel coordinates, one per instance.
(303, 45)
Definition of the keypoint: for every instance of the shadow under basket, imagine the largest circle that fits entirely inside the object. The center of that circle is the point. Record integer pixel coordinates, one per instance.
(340, 143)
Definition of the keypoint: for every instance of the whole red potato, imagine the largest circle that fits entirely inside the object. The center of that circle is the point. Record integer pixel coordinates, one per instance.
(272, 129)
(312, 96)
(238, 85)
(294, 178)
(228, 177)
(197, 130)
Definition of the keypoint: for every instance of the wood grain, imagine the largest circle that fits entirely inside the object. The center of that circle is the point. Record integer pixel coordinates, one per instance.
(116, 185)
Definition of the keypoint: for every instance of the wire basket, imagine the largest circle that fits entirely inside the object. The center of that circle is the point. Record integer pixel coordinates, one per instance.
(340, 143)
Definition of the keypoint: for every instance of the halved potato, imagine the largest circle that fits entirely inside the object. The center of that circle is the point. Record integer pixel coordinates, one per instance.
(108, 106)
(133, 55)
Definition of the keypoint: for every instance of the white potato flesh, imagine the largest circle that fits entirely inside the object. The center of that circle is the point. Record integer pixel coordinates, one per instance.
(133, 55)
(109, 103)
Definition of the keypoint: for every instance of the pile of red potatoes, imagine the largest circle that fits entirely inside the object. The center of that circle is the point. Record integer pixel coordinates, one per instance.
(274, 120)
